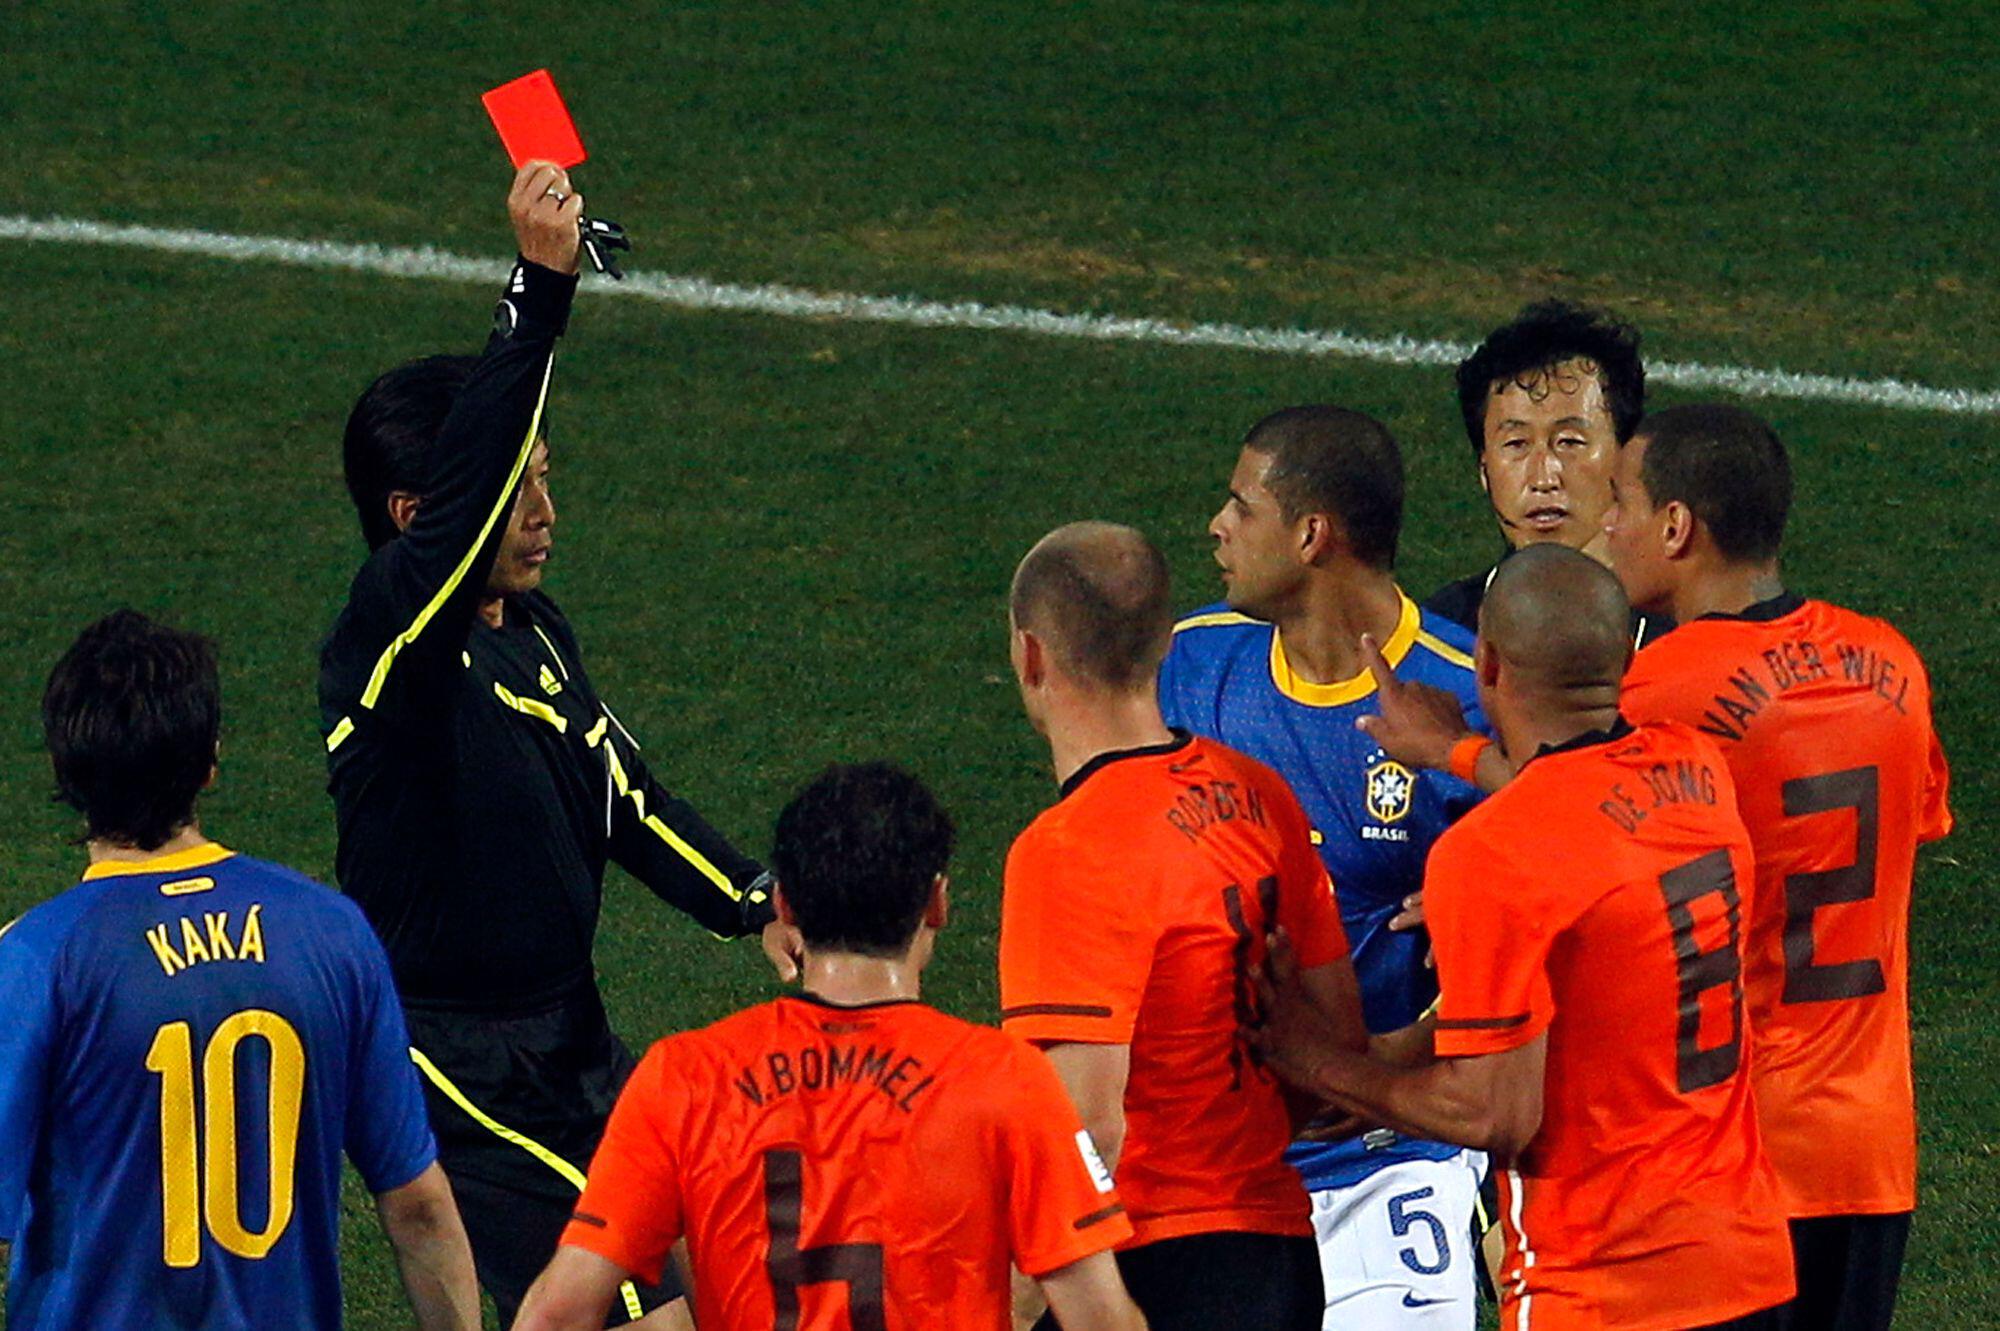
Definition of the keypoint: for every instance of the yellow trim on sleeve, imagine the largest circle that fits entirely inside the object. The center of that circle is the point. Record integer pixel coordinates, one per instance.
(196, 857)
(541, 711)
(340, 733)
(1444, 649)
(626, 790)
(1355, 687)
(1214, 619)
(596, 732)
(9, 925)
(380, 676)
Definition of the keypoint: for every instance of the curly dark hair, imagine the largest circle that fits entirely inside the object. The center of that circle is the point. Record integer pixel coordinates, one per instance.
(1546, 334)
(856, 853)
(131, 716)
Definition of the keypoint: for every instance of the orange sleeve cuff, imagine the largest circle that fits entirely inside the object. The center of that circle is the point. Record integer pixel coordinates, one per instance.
(596, 1237)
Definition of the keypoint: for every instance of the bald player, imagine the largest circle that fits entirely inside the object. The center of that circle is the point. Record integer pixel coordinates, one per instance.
(1588, 924)
(1133, 912)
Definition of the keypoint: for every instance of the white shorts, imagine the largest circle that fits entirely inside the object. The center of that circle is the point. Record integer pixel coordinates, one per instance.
(1395, 1250)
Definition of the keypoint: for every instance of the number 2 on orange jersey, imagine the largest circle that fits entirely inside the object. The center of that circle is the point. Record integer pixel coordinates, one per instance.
(1807, 980)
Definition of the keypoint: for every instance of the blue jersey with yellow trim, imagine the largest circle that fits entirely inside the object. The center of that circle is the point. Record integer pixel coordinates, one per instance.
(1373, 819)
(191, 1043)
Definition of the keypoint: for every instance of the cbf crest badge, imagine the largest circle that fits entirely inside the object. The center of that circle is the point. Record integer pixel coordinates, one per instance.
(1390, 787)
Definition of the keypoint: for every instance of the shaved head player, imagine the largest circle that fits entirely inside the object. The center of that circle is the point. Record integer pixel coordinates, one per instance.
(1591, 1031)
(1133, 911)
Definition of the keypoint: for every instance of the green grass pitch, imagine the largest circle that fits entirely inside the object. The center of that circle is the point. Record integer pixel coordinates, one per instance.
(786, 542)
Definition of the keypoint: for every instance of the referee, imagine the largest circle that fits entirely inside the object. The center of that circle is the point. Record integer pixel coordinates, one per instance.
(480, 783)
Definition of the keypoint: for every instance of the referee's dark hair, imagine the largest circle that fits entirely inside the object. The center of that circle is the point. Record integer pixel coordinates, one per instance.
(1543, 336)
(392, 435)
(856, 854)
(1100, 596)
(1340, 462)
(1731, 470)
(131, 716)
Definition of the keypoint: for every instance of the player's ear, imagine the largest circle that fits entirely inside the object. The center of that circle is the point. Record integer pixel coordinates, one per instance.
(1031, 658)
(937, 911)
(783, 907)
(1485, 663)
(403, 507)
(1677, 524)
(1319, 536)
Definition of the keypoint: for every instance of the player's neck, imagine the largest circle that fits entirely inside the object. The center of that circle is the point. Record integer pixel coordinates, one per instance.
(187, 838)
(1526, 731)
(1322, 637)
(1726, 589)
(1088, 726)
(851, 979)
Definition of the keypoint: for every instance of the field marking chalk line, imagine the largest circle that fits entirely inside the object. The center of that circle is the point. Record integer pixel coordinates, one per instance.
(697, 293)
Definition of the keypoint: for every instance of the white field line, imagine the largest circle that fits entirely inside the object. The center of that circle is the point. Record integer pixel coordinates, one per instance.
(698, 293)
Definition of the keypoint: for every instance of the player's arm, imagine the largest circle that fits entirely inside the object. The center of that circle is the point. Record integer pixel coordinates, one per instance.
(432, 1254)
(28, 1039)
(1491, 1102)
(1095, 1077)
(412, 604)
(661, 840)
(573, 1293)
(1421, 726)
(1089, 1295)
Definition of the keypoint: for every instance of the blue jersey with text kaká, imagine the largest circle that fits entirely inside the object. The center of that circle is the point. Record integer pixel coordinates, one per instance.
(191, 1043)
(1374, 820)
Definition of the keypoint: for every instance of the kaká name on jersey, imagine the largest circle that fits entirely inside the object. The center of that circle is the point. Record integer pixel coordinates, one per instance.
(178, 1023)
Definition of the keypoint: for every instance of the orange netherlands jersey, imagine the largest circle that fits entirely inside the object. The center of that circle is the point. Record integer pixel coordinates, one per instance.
(1133, 912)
(1600, 898)
(1824, 717)
(834, 1168)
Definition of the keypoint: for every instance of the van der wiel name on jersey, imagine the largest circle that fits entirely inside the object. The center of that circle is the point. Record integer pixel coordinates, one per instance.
(1787, 666)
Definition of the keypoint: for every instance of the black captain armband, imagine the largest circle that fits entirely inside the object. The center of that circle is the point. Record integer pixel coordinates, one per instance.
(758, 908)
(536, 304)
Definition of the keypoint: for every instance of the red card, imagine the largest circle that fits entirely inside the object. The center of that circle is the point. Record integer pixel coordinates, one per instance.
(533, 122)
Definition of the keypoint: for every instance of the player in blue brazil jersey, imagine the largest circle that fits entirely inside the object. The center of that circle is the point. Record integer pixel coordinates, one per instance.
(193, 1039)
(1307, 543)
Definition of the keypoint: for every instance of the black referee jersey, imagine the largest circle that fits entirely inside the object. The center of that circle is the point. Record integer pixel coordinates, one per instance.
(479, 782)
(1460, 601)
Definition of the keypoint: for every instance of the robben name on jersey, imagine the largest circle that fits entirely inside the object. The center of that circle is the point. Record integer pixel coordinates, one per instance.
(1374, 820)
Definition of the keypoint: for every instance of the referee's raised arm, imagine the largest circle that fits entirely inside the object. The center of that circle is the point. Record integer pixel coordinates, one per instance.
(412, 602)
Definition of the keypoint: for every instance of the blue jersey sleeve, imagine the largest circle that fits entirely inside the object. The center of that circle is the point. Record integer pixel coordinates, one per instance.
(1170, 689)
(27, 1045)
(388, 1131)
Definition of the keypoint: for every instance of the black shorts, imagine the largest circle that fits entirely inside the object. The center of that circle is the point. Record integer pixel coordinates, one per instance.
(518, 1103)
(1848, 1268)
(1205, 1281)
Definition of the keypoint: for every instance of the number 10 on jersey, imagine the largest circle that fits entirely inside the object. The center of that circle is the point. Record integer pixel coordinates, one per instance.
(192, 1195)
